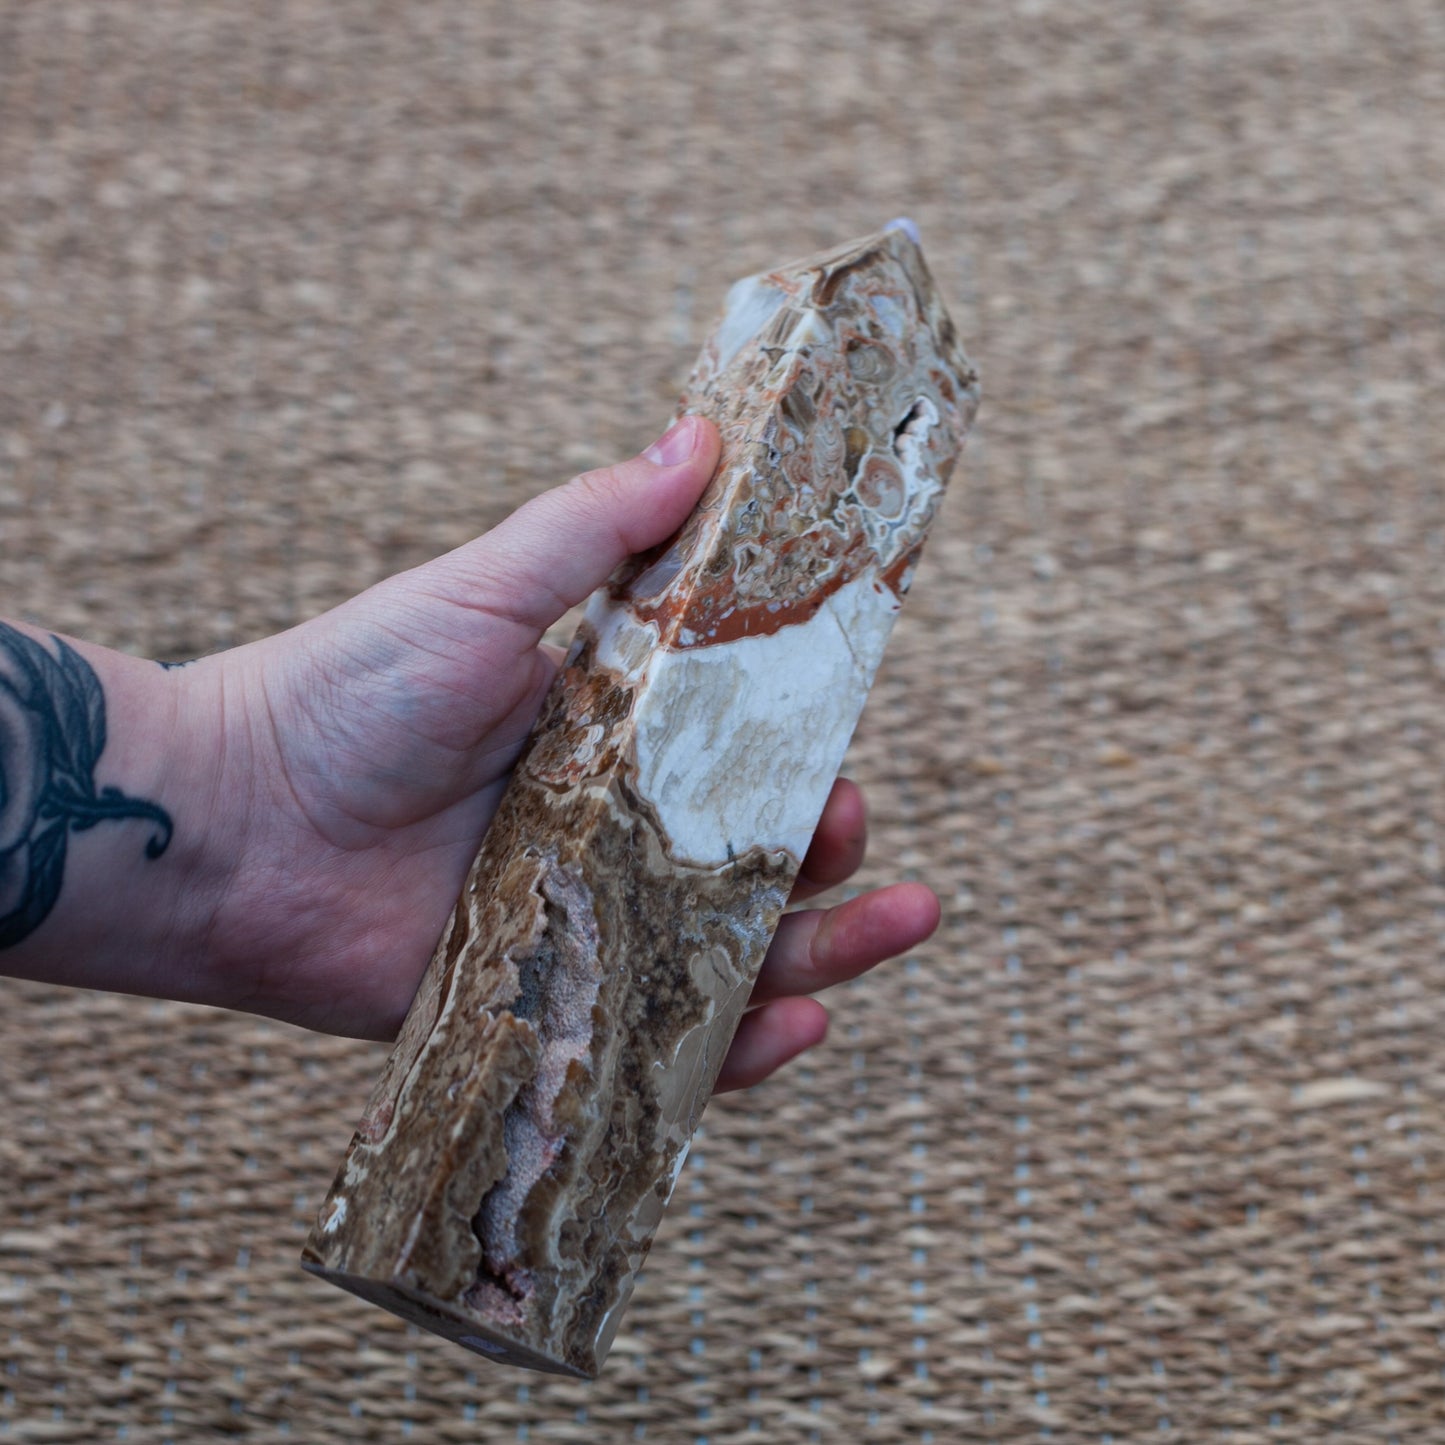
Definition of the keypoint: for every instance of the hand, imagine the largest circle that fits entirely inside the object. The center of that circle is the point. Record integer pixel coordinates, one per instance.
(329, 786)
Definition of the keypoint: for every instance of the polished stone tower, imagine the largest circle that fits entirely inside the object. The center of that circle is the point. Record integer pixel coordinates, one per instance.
(521, 1144)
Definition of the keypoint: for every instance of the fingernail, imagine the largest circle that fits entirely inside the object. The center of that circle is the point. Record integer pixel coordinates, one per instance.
(675, 445)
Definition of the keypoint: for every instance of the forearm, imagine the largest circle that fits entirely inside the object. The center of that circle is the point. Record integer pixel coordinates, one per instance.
(109, 870)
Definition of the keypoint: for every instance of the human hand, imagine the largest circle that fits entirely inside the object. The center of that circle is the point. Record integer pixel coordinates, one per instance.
(329, 785)
(385, 731)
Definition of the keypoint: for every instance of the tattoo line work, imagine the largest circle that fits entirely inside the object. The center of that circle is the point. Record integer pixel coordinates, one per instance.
(52, 733)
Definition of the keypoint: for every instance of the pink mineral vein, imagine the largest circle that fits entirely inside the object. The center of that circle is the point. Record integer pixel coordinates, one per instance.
(522, 1141)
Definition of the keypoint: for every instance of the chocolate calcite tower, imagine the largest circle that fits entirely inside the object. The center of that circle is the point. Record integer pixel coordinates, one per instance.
(523, 1139)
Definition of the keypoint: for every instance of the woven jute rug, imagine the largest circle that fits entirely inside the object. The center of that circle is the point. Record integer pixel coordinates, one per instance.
(1148, 1142)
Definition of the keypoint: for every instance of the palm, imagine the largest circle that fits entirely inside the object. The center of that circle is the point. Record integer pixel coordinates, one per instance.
(383, 724)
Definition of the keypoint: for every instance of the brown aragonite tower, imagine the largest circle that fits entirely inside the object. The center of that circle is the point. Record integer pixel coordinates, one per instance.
(521, 1143)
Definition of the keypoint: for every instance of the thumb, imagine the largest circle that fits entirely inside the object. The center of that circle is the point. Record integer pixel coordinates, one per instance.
(562, 545)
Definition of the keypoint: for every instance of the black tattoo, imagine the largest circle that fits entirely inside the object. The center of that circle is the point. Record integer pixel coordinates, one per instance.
(52, 733)
(171, 666)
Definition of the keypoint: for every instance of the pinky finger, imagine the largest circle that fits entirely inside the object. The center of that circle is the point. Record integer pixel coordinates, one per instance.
(768, 1037)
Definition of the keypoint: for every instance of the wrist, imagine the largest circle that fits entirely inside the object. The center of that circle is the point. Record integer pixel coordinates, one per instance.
(109, 883)
(189, 756)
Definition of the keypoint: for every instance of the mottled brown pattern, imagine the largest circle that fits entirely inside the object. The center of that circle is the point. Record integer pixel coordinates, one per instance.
(811, 445)
(430, 1225)
(523, 1140)
(580, 730)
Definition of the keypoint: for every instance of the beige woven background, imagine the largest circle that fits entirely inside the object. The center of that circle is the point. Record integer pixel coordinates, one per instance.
(1148, 1143)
